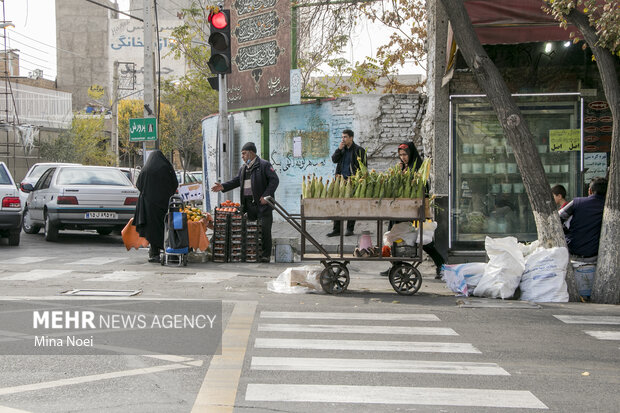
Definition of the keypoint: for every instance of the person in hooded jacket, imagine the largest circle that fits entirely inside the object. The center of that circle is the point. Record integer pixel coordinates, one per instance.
(410, 158)
(257, 180)
(157, 182)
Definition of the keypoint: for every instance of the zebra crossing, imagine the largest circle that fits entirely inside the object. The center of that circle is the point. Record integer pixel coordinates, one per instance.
(278, 349)
(594, 320)
(89, 270)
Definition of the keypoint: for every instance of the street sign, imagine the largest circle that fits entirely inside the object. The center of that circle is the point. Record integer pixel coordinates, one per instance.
(142, 129)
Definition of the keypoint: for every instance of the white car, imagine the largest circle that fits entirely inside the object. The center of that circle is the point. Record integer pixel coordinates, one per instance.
(79, 197)
(10, 207)
(33, 175)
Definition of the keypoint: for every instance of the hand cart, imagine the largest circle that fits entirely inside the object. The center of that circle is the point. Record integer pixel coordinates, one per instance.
(404, 275)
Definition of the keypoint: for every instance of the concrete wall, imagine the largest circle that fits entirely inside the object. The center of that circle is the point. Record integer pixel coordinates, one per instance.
(380, 123)
(81, 41)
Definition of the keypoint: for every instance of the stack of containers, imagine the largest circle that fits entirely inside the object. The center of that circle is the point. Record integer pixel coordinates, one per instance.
(221, 238)
(252, 241)
(237, 250)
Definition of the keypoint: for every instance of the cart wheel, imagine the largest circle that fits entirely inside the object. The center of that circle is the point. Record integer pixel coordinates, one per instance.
(334, 278)
(405, 278)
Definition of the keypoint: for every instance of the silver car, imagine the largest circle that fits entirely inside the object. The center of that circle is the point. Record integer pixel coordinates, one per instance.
(79, 197)
(33, 175)
(10, 207)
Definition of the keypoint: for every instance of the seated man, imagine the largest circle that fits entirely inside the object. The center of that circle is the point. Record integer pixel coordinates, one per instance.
(587, 216)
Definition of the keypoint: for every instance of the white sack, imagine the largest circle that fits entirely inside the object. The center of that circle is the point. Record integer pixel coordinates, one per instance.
(504, 269)
(297, 280)
(544, 278)
(402, 230)
(463, 278)
(527, 249)
(428, 232)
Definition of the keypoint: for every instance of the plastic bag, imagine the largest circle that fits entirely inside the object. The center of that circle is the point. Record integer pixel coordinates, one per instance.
(544, 278)
(527, 249)
(402, 230)
(428, 232)
(463, 278)
(297, 280)
(503, 272)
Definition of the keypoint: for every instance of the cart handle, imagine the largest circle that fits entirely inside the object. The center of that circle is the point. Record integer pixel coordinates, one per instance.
(289, 218)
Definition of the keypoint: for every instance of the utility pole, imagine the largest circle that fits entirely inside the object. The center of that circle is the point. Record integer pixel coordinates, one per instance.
(150, 110)
(115, 114)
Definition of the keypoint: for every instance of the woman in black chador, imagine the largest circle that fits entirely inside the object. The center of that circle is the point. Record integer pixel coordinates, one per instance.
(157, 182)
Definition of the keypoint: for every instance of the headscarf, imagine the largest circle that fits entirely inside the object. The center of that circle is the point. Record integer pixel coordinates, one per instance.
(414, 156)
(157, 180)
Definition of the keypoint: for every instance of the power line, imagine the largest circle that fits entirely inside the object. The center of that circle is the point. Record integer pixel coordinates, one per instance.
(44, 44)
(33, 63)
(25, 44)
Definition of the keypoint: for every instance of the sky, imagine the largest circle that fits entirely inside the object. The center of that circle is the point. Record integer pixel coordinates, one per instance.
(34, 35)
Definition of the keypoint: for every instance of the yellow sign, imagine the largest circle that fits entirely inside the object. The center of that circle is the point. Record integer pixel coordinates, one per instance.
(95, 91)
(562, 140)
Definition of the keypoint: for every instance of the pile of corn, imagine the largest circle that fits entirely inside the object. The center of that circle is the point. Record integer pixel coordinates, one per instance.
(393, 183)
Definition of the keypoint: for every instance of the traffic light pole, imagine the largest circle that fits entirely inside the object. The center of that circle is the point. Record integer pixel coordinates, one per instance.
(225, 156)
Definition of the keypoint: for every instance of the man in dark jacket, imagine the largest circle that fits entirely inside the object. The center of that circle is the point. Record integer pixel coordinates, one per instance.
(257, 180)
(585, 227)
(347, 159)
(157, 182)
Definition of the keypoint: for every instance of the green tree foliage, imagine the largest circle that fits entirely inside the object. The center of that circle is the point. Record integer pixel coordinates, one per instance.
(85, 143)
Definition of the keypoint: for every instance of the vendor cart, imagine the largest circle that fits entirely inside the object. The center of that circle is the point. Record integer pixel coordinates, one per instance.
(404, 275)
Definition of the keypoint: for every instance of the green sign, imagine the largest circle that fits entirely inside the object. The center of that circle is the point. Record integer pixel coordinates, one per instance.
(142, 129)
(562, 140)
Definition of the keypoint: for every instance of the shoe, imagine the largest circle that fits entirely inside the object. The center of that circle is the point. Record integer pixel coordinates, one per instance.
(334, 234)
(265, 259)
(438, 273)
(348, 233)
(154, 258)
(384, 273)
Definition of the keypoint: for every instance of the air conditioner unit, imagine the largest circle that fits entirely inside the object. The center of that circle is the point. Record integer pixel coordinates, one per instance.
(36, 74)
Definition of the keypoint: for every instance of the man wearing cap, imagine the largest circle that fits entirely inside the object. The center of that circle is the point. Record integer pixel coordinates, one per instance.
(257, 180)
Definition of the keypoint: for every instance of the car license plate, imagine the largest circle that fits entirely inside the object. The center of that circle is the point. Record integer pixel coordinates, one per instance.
(101, 215)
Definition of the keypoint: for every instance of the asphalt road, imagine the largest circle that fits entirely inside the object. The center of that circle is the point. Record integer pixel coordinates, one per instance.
(366, 350)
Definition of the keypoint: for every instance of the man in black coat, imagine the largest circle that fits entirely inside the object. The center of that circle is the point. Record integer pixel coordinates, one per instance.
(347, 159)
(257, 180)
(157, 182)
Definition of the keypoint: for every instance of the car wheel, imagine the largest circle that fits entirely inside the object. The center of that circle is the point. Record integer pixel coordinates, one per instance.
(51, 230)
(14, 236)
(29, 227)
(104, 231)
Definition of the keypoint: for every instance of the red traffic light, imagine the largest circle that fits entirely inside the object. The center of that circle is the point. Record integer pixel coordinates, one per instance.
(219, 20)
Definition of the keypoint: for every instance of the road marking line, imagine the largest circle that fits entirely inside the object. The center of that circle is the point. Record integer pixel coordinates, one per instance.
(349, 329)
(208, 277)
(586, 319)
(604, 335)
(25, 260)
(361, 345)
(392, 395)
(120, 276)
(169, 357)
(95, 261)
(4, 409)
(35, 275)
(376, 365)
(219, 387)
(88, 379)
(349, 316)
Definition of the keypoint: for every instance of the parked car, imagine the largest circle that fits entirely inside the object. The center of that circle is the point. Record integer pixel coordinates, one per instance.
(131, 173)
(33, 175)
(185, 178)
(197, 175)
(79, 197)
(10, 207)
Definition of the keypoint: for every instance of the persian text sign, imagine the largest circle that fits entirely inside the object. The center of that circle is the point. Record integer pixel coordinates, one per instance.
(261, 53)
(564, 140)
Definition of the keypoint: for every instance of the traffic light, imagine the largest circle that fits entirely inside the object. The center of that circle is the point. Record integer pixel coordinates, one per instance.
(219, 40)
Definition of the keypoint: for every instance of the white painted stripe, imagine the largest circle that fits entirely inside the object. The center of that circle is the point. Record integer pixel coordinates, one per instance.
(586, 319)
(349, 329)
(361, 345)
(376, 365)
(392, 395)
(604, 335)
(95, 261)
(89, 379)
(208, 277)
(4, 409)
(120, 276)
(169, 357)
(25, 260)
(35, 275)
(349, 316)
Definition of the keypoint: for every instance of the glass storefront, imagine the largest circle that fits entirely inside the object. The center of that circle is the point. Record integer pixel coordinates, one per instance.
(487, 193)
